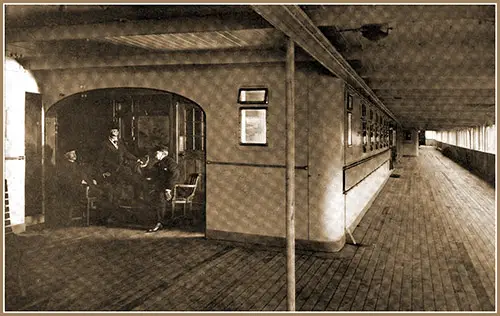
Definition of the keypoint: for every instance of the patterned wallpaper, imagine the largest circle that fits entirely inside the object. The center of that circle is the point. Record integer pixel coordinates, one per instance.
(326, 156)
(242, 196)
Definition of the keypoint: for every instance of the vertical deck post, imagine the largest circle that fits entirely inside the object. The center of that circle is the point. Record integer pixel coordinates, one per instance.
(290, 175)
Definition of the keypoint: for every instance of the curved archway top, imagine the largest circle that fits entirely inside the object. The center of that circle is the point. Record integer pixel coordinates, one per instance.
(118, 93)
(51, 99)
(16, 75)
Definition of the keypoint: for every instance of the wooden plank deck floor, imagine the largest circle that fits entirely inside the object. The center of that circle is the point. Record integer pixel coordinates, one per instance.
(426, 244)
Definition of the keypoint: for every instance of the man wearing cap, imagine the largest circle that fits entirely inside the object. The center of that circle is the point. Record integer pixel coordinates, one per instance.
(114, 162)
(164, 174)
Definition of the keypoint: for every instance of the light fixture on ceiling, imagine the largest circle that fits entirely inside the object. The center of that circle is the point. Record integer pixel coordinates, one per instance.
(373, 32)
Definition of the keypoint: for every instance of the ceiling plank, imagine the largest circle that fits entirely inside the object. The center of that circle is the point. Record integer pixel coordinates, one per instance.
(292, 21)
(237, 21)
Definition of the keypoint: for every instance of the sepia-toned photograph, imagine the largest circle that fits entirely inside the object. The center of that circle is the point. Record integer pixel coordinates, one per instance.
(249, 157)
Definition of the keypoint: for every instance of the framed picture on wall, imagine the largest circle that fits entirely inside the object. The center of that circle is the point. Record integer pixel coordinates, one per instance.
(349, 102)
(253, 126)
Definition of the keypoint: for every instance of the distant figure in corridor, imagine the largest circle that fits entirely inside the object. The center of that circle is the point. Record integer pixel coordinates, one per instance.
(116, 164)
(163, 173)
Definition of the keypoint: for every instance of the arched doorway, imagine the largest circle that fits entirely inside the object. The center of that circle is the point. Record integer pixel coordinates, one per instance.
(146, 117)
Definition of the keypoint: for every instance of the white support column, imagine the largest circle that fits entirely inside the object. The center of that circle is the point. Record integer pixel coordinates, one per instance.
(290, 175)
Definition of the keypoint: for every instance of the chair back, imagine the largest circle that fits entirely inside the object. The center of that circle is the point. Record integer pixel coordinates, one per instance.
(194, 178)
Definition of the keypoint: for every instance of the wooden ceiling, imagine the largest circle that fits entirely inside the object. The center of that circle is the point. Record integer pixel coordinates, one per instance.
(434, 70)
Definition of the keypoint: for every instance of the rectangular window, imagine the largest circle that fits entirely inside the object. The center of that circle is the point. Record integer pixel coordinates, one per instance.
(364, 127)
(349, 129)
(253, 96)
(350, 102)
(253, 126)
(194, 123)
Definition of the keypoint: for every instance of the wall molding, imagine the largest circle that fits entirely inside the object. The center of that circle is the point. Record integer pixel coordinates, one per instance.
(228, 163)
(366, 159)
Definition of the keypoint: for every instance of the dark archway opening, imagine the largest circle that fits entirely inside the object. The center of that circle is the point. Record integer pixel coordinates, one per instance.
(146, 117)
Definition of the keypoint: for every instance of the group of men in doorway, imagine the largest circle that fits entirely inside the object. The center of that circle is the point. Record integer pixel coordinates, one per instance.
(152, 179)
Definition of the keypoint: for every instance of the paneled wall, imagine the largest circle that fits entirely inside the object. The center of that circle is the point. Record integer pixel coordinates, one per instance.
(360, 197)
(375, 130)
(367, 155)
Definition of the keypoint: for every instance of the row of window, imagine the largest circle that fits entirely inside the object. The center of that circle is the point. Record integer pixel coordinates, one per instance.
(481, 138)
(375, 127)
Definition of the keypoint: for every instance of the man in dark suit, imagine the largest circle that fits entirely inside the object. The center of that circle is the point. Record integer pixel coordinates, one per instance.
(73, 176)
(164, 174)
(116, 163)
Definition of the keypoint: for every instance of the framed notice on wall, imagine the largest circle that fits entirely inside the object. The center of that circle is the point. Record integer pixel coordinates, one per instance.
(253, 124)
(408, 135)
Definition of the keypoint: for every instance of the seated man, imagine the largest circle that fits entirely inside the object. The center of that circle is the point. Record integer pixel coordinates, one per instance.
(164, 174)
(72, 178)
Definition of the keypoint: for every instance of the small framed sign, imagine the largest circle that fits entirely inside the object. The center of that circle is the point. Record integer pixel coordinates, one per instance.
(349, 102)
(253, 96)
(253, 124)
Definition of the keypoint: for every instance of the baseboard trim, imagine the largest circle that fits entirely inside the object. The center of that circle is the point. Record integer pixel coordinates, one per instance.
(272, 241)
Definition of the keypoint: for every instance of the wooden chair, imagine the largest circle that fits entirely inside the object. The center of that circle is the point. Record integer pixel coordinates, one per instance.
(184, 193)
(90, 204)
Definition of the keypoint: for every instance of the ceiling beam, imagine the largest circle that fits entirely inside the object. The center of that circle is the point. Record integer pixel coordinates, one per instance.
(237, 21)
(438, 127)
(160, 59)
(455, 114)
(446, 116)
(439, 83)
(468, 69)
(447, 120)
(455, 54)
(438, 113)
(406, 101)
(292, 21)
(438, 93)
